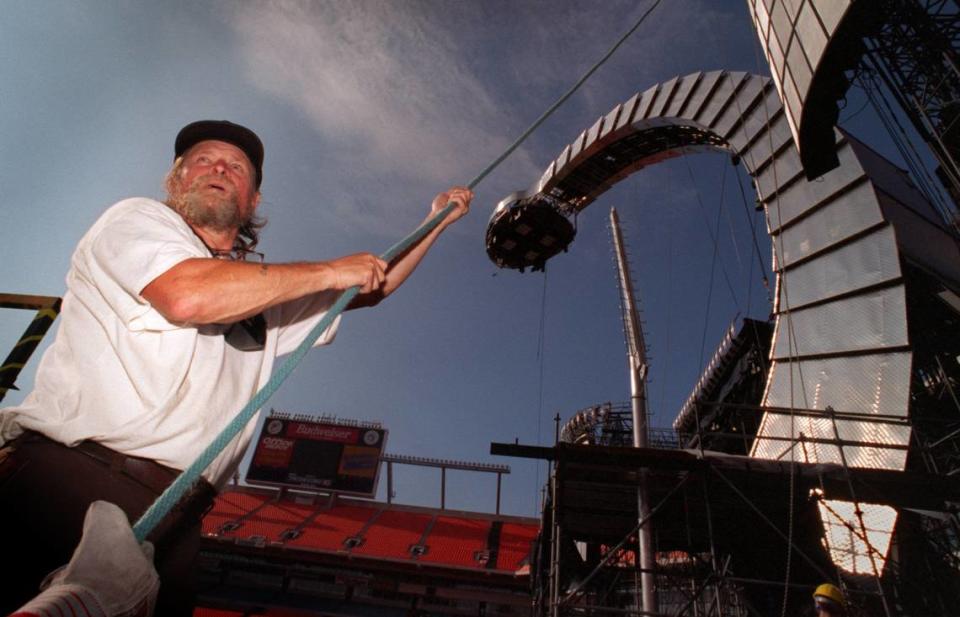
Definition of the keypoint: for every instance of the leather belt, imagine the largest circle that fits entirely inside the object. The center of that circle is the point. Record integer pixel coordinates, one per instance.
(151, 474)
(144, 471)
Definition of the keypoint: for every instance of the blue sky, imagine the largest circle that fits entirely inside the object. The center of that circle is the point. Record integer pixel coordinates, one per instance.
(367, 109)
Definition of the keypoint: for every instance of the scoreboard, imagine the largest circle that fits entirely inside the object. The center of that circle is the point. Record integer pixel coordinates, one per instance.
(322, 455)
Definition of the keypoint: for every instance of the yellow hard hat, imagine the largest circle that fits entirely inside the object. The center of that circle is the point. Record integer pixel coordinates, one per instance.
(830, 592)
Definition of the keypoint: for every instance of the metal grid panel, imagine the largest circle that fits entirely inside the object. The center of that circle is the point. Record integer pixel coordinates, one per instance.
(792, 7)
(577, 145)
(761, 19)
(831, 12)
(627, 113)
(892, 180)
(563, 158)
(800, 31)
(775, 58)
(874, 383)
(799, 67)
(808, 430)
(704, 88)
(790, 93)
(867, 261)
(756, 119)
(811, 34)
(718, 101)
(873, 320)
(851, 549)
(684, 88)
(743, 100)
(760, 151)
(666, 93)
(923, 241)
(547, 175)
(779, 432)
(780, 23)
(773, 177)
(644, 105)
(593, 133)
(848, 214)
(610, 120)
(803, 195)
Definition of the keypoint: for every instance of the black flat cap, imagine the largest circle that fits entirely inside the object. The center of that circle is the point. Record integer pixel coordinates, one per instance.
(222, 130)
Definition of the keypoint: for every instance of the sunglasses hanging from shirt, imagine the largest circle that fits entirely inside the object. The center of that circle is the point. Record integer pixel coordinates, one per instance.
(251, 333)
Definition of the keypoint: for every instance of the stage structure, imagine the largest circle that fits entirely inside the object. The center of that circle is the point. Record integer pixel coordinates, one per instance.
(722, 412)
(900, 49)
(866, 273)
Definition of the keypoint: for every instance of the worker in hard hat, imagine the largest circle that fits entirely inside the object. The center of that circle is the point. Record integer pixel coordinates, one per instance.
(828, 600)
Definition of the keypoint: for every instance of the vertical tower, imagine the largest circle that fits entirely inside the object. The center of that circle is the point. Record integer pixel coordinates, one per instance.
(637, 358)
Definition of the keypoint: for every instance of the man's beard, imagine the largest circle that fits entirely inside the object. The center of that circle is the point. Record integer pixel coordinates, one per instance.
(209, 209)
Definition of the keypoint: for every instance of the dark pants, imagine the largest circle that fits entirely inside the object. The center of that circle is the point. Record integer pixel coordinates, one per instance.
(45, 489)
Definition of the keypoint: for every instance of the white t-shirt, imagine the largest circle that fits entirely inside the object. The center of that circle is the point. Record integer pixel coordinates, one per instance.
(120, 374)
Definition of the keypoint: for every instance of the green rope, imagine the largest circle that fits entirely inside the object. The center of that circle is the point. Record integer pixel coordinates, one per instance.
(175, 492)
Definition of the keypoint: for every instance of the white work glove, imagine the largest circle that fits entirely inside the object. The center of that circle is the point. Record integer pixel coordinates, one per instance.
(109, 575)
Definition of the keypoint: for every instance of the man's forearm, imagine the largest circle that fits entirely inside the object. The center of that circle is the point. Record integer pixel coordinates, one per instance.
(398, 272)
(404, 265)
(203, 291)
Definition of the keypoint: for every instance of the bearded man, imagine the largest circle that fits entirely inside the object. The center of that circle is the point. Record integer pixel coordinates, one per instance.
(166, 332)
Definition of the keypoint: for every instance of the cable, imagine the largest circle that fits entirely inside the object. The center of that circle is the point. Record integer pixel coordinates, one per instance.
(902, 142)
(713, 268)
(165, 502)
(541, 343)
(713, 235)
(561, 100)
(777, 245)
(728, 215)
(756, 246)
(668, 351)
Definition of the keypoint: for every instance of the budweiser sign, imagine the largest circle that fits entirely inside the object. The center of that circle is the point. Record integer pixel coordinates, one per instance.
(323, 432)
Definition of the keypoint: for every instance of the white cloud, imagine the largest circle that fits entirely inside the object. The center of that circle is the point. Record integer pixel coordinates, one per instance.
(424, 94)
(388, 79)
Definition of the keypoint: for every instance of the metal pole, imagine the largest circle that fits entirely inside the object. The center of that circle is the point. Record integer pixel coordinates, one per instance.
(389, 482)
(47, 310)
(638, 369)
(443, 488)
(648, 580)
(555, 519)
(555, 557)
(499, 479)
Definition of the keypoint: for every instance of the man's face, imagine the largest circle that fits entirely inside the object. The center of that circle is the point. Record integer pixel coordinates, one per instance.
(214, 187)
(827, 609)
